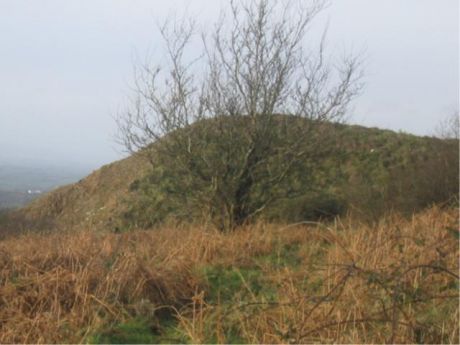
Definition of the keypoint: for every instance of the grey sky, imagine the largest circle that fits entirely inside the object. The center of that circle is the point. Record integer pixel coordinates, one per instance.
(65, 67)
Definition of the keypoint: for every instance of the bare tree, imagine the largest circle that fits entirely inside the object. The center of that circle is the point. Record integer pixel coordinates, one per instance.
(231, 126)
(449, 127)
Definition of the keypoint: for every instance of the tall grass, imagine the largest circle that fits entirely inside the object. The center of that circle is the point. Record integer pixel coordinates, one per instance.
(345, 282)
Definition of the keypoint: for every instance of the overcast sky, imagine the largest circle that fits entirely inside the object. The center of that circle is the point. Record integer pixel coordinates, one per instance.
(66, 67)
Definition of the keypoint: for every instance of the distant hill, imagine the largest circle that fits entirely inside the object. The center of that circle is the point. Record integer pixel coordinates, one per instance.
(369, 172)
(21, 183)
(9, 199)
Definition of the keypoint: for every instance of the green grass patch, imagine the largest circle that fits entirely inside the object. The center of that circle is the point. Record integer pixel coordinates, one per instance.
(136, 331)
(234, 285)
(139, 331)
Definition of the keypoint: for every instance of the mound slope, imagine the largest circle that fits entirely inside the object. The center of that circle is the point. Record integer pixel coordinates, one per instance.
(92, 202)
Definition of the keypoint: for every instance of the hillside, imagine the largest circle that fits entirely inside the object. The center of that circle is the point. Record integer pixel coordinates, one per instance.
(367, 171)
(93, 201)
(392, 280)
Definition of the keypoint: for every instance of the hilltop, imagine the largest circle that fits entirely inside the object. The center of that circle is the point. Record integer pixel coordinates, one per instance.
(367, 171)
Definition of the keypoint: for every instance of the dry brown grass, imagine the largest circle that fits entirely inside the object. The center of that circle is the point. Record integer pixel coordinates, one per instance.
(379, 284)
(349, 283)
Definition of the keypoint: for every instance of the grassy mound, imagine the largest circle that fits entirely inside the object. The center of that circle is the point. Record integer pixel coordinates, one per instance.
(363, 171)
(345, 282)
(357, 170)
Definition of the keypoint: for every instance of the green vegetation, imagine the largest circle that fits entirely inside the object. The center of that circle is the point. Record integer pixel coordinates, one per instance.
(235, 284)
(363, 171)
(131, 332)
(140, 331)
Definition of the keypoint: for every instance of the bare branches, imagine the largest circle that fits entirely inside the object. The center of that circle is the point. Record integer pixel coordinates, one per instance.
(449, 127)
(254, 81)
